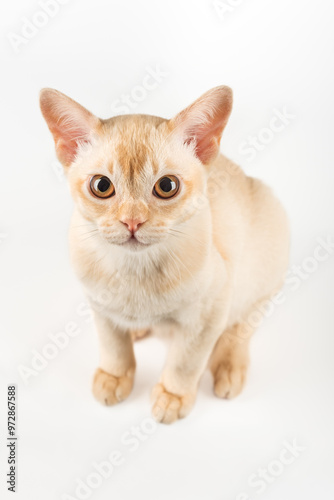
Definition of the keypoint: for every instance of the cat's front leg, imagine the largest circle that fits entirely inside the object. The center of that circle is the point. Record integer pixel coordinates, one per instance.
(174, 396)
(113, 380)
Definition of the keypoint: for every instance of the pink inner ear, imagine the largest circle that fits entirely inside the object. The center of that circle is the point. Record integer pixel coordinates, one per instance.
(203, 122)
(208, 141)
(69, 122)
(67, 141)
(68, 131)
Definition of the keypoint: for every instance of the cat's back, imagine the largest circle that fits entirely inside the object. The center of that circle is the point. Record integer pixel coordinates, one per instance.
(250, 230)
(242, 202)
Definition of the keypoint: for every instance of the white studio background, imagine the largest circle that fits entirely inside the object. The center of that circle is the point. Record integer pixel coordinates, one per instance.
(277, 57)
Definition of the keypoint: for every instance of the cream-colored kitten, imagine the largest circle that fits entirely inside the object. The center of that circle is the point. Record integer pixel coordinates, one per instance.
(168, 234)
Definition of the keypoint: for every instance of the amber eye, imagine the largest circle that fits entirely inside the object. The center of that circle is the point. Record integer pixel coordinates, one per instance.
(101, 186)
(166, 187)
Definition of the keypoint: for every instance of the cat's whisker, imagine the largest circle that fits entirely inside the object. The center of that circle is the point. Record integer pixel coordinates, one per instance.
(174, 232)
(89, 234)
(84, 225)
(203, 230)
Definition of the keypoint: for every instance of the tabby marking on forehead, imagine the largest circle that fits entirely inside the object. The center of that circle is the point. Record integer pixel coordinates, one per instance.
(136, 140)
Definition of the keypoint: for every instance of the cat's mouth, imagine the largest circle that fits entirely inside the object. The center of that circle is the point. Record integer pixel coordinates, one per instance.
(131, 243)
(134, 244)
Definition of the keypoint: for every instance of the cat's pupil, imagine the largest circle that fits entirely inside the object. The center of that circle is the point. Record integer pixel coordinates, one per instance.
(166, 185)
(103, 184)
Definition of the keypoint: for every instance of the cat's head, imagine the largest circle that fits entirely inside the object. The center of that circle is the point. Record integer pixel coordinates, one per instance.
(137, 178)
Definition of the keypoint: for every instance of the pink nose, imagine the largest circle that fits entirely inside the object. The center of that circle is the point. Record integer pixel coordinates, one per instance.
(132, 224)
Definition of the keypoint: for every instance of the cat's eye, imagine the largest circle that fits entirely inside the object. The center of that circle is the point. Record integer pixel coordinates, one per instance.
(101, 186)
(166, 187)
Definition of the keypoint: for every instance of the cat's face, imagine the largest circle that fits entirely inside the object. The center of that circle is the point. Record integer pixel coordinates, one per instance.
(135, 183)
(137, 179)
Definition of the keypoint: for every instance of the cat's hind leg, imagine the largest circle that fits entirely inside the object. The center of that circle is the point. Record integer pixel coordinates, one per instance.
(230, 358)
(229, 363)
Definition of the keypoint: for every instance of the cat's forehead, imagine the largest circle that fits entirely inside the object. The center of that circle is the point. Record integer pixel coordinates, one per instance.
(137, 143)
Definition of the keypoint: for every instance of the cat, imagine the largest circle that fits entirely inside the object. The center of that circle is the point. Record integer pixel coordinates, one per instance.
(168, 234)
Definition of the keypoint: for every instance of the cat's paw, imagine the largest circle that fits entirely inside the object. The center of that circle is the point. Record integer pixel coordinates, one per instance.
(109, 390)
(140, 334)
(229, 379)
(168, 407)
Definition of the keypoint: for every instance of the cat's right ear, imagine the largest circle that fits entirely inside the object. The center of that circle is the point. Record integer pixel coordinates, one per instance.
(70, 124)
(202, 123)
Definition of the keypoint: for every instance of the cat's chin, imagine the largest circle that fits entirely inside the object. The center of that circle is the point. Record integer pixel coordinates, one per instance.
(133, 245)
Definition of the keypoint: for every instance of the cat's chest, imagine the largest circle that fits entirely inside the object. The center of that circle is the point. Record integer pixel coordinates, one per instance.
(138, 297)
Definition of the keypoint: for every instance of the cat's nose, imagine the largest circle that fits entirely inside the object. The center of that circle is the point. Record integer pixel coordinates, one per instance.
(133, 224)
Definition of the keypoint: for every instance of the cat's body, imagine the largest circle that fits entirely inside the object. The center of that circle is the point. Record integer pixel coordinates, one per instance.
(166, 282)
(197, 268)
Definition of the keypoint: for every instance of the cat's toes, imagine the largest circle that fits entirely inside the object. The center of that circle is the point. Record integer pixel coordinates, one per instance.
(140, 334)
(168, 407)
(229, 380)
(109, 390)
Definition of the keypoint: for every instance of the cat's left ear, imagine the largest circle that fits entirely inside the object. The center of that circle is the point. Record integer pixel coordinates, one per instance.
(69, 122)
(203, 122)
